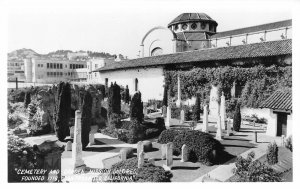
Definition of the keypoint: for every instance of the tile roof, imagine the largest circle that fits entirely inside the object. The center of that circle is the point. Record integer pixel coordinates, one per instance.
(279, 100)
(269, 26)
(191, 36)
(264, 49)
(189, 17)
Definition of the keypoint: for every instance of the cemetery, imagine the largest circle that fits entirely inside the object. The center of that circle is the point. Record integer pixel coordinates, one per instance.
(193, 134)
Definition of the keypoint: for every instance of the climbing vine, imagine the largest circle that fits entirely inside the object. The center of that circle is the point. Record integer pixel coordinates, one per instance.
(257, 82)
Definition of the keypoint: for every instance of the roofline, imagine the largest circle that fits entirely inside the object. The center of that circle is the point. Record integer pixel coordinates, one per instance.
(214, 36)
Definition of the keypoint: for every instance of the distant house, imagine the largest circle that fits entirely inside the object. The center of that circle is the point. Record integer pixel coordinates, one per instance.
(281, 115)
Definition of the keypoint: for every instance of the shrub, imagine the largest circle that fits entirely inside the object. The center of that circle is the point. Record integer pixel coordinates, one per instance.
(20, 156)
(136, 132)
(110, 132)
(175, 112)
(167, 136)
(272, 153)
(64, 111)
(14, 120)
(27, 99)
(86, 118)
(247, 170)
(136, 107)
(289, 143)
(237, 118)
(42, 130)
(115, 120)
(114, 105)
(202, 146)
(148, 173)
(152, 133)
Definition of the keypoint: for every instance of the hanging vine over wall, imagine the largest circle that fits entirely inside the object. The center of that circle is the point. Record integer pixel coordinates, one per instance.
(260, 82)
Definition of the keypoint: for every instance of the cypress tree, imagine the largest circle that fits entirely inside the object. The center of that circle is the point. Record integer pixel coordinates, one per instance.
(237, 118)
(64, 111)
(114, 106)
(136, 108)
(197, 110)
(27, 99)
(86, 118)
(127, 98)
(165, 98)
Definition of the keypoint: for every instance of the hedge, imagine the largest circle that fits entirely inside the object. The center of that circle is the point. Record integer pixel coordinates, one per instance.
(272, 153)
(148, 173)
(167, 136)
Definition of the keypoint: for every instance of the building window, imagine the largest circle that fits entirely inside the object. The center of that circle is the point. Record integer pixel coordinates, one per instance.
(176, 27)
(136, 84)
(203, 25)
(51, 65)
(54, 66)
(106, 82)
(61, 66)
(194, 26)
(184, 26)
(157, 51)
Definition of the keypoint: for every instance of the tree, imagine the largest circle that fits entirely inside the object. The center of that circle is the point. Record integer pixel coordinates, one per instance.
(197, 109)
(114, 106)
(127, 98)
(86, 119)
(237, 118)
(165, 98)
(136, 108)
(64, 111)
(27, 99)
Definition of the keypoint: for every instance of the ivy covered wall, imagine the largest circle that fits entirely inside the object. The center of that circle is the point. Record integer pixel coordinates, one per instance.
(257, 83)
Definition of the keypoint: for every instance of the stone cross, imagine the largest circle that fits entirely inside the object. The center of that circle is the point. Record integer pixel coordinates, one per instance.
(77, 145)
(205, 119)
(163, 151)
(184, 153)
(223, 111)
(69, 146)
(219, 129)
(141, 158)
(91, 139)
(178, 102)
(140, 147)
(169, 154)
(168, 118)
(182, 118)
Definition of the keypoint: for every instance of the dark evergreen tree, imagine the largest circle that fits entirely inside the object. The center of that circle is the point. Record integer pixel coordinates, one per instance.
(165, 98)
(114, 106)
(86, 119)
(136, 107)
(64, 111)
(197, 110)
(127, 97)
(27, 99)
(237, 118)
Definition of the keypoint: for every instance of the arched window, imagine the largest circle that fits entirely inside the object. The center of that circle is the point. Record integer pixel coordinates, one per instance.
(156, 51)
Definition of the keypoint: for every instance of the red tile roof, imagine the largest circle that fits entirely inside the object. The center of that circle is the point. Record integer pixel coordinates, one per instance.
(263, 27)
(279, 100)
(264, 49)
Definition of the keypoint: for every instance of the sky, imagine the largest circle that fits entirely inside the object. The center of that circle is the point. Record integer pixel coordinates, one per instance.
(117, 27)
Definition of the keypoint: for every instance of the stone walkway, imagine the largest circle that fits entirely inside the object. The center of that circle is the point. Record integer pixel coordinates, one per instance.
(223, 172)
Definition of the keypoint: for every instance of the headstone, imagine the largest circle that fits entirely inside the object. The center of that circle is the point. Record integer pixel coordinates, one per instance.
(139, 148)
(91, 139)
(164, 111)
(77, 145)
(163, 151)
(123, 155)
(223, 111)
(205, 119)
(229, 124)
(145, 111)
(169, 155)
(178, 102)
(141, 158)
(151, 161)
(182, 118)
(168, 118)
(214, 107)
(69, 146)
(155, 106)
(72, 132)
(184, 153)
(219, 129)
